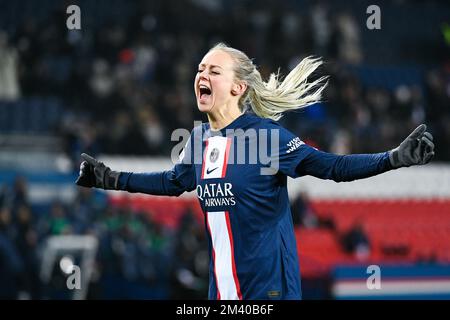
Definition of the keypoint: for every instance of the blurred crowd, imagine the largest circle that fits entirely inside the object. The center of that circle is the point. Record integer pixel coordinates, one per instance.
(126, 83)
(136, 257)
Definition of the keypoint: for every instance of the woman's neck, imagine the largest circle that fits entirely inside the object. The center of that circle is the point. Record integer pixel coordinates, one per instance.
(222, 118)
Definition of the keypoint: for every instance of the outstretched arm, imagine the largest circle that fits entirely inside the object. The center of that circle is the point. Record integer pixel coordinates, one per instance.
(343, 168)
(173, 182)
(416, 149)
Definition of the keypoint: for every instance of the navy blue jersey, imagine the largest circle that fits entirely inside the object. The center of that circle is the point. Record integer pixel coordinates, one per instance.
(240, 176)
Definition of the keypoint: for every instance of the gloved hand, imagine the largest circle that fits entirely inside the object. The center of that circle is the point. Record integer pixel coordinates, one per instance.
(94, 173)
(416, 149)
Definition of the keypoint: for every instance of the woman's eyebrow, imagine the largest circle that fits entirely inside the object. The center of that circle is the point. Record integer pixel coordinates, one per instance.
(211, 65)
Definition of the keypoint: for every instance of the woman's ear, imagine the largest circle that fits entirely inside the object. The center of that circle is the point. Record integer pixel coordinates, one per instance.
(239, 88)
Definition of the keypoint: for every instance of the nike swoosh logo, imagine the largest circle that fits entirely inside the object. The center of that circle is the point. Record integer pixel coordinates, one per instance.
(209, 171)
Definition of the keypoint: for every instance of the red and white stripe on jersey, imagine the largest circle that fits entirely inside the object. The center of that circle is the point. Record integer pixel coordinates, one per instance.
(219, 227)
(215, 166)
(215, 162)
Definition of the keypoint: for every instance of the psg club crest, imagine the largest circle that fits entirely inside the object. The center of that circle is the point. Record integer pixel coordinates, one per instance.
(214, 155)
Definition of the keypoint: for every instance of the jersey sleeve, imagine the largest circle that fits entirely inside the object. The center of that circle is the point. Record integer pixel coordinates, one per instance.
(342, 168)
(179, 179)
(296, 158)
(291, 150)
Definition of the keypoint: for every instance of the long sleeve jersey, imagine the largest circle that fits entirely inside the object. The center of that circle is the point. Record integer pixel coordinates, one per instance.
(240, 177)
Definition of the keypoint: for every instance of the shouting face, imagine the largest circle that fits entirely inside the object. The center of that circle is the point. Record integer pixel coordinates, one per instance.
(215, 85)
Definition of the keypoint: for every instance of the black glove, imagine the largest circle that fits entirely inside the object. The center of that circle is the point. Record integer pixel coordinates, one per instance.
(94, 173)
(416, 149)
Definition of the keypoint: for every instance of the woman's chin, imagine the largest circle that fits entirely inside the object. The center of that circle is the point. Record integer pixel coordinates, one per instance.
(203, 107)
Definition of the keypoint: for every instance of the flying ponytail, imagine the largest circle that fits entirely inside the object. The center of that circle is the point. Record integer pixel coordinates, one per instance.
(273, 98)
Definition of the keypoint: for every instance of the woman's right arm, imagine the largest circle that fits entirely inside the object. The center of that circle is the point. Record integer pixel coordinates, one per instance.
(173, 182)
(169, 183)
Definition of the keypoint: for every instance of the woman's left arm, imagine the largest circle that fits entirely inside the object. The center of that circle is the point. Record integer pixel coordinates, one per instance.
(416, 149)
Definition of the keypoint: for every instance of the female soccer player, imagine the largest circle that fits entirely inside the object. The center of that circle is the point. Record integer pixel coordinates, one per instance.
(244, 198)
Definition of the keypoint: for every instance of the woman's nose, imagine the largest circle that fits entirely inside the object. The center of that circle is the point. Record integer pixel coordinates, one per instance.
(203, 75)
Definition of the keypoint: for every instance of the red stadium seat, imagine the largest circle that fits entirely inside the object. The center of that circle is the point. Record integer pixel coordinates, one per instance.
(422, 227)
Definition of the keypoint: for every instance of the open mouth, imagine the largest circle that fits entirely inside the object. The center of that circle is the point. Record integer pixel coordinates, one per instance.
(204, 91)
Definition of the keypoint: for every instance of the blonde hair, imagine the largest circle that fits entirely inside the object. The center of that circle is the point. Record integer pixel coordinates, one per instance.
(272, 98)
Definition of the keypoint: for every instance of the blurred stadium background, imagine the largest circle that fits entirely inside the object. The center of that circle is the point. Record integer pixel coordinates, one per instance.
(118, 87)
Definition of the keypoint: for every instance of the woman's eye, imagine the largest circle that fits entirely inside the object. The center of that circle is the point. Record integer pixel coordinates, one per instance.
(213, 72)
